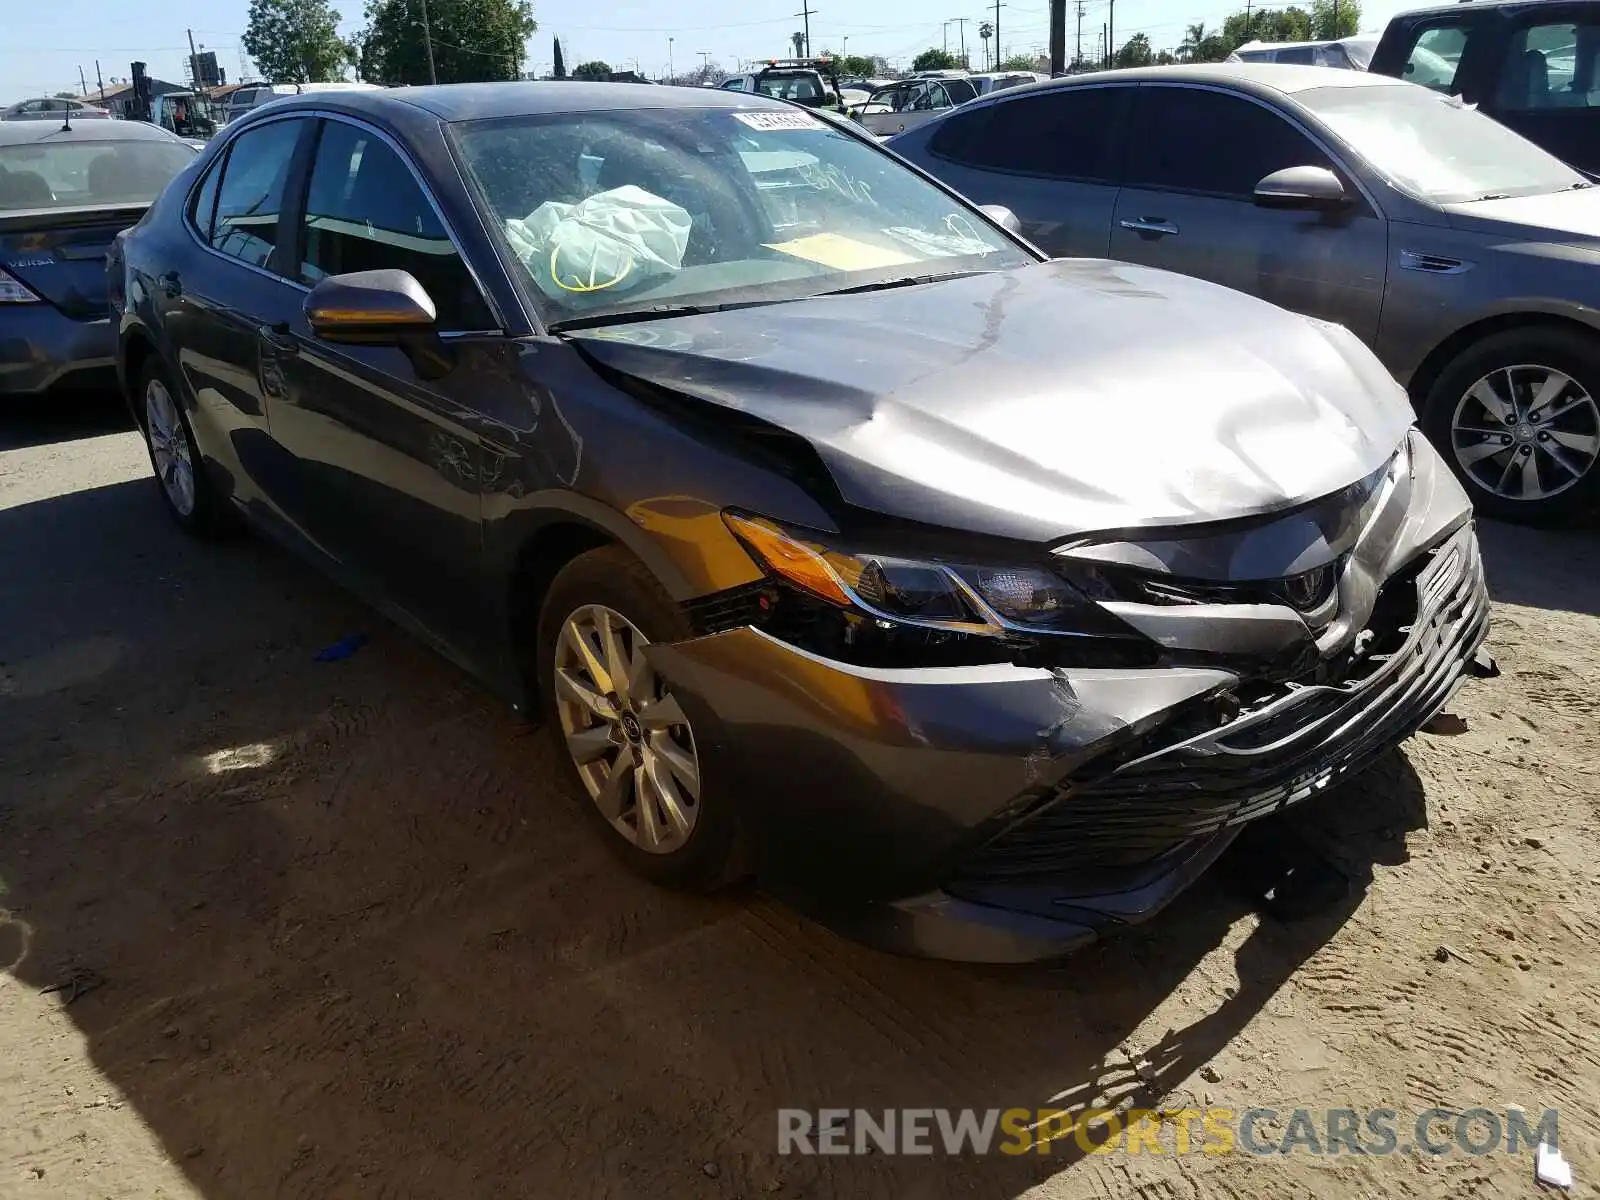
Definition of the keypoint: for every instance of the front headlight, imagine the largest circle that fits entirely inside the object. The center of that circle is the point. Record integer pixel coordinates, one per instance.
(988, 599)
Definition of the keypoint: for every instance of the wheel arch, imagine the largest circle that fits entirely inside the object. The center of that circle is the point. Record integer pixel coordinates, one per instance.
(1441, 356)
(138, 348)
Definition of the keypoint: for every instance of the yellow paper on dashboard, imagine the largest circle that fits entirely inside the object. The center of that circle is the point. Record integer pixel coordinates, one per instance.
(842, 253)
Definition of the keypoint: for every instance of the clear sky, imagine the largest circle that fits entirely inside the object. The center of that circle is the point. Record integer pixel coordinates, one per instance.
(45, 42)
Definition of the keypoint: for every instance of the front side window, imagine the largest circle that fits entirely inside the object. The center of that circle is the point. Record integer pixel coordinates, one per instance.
(1435, 147)
(250, 197)
(365, 211)
(1190, 140)
(629, 211)
(1435, 58)
(1551, 66)
(69, 174)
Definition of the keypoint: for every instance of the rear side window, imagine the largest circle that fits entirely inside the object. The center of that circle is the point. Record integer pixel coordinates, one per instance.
(365, 211)
(1299, 55)
(250, 197)
(1435, 58)
(1066, 133)
(204, 206)
(1189, 140)
(1551, 66)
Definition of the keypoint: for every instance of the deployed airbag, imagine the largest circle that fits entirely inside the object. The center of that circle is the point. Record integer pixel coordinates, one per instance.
(612, 240)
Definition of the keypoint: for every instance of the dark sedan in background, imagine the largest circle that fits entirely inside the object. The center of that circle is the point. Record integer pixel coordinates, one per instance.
(972, 599)
(1532, 67)
(1464, 255)
(65, 192)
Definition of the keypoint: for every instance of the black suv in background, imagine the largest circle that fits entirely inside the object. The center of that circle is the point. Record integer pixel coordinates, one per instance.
(1533, 65)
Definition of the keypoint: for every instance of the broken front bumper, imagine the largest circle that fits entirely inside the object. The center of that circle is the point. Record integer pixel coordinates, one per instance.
(1002, 813)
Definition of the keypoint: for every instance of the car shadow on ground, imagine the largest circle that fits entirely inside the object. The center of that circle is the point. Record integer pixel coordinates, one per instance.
(1543, 568)
(332, 929)
(61, 417)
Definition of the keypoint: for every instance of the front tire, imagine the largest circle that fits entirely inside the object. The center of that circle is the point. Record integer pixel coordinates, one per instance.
(191, 499)
(629, 746)
(1517, 416)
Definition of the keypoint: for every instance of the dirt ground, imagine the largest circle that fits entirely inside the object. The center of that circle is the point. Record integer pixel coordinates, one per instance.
(332, 929)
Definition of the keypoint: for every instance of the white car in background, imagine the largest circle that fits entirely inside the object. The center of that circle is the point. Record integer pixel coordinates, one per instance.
(1348, 54)
(908, 103)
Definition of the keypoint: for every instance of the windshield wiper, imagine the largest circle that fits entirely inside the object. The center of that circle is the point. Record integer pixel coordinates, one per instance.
(907, 281)
(655, 312)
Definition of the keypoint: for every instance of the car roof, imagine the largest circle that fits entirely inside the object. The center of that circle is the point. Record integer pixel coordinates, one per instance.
(1432, 10)
(17, 133)
(479, 101)
(1263, 78)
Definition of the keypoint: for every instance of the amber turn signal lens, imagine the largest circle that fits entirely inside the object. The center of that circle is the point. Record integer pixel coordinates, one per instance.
(792, 559)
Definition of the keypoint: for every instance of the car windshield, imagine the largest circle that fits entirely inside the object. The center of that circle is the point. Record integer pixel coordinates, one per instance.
(1436, 147)
(639, 211)
(68, 174)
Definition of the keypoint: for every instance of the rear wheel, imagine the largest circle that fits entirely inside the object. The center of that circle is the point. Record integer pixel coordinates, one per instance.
(631, 747)
(190, 497)
(1518, 418)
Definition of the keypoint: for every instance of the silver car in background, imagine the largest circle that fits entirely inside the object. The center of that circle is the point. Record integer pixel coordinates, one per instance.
(1467, 257)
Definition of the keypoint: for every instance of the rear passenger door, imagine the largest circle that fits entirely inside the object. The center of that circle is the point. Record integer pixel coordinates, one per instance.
(1052, 157)
(385, 444)
(1187, 205)
(226, 285)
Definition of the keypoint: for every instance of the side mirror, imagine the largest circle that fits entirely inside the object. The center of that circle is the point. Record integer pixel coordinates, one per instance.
(372, 308)
(1302, 187)
(1003, 217)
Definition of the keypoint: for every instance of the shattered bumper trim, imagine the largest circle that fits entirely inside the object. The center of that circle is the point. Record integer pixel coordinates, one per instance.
(1261, 762)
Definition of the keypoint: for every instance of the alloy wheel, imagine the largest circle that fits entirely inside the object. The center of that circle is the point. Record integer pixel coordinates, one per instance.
(169, 447)
(629, 739)
(1526, 432)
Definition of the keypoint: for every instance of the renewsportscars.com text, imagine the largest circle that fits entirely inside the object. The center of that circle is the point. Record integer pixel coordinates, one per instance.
(1258, 1131)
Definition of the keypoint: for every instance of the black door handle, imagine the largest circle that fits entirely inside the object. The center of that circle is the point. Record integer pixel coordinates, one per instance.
(171, 285)
(279, 338)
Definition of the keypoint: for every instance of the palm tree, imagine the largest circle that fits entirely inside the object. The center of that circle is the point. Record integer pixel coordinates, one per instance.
(1193, 37)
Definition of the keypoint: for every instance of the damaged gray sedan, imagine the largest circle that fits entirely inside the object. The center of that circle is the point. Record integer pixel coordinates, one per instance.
(973, 600)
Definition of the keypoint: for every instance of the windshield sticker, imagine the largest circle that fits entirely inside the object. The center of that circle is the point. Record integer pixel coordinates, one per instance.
(775, 122)
(843, 253)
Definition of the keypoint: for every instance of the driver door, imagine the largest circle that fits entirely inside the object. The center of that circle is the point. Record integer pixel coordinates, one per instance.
(883, 114)
(1187, 204)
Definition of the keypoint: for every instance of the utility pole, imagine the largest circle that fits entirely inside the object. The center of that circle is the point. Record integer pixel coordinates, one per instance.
(427, 43)
(705, 63)
(1058, 37)
(1105, 43)
(671, 74)
(99, 82)
(194, 62)
(997, 55)
(962, 22)
(947, 37)
(1335, 32)
(1247, 20)
(83, 84)
(805, 11)
(1111, 28)
(1077, 57)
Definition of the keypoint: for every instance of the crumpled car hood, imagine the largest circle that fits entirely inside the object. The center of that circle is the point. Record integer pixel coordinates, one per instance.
(1045, 401)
